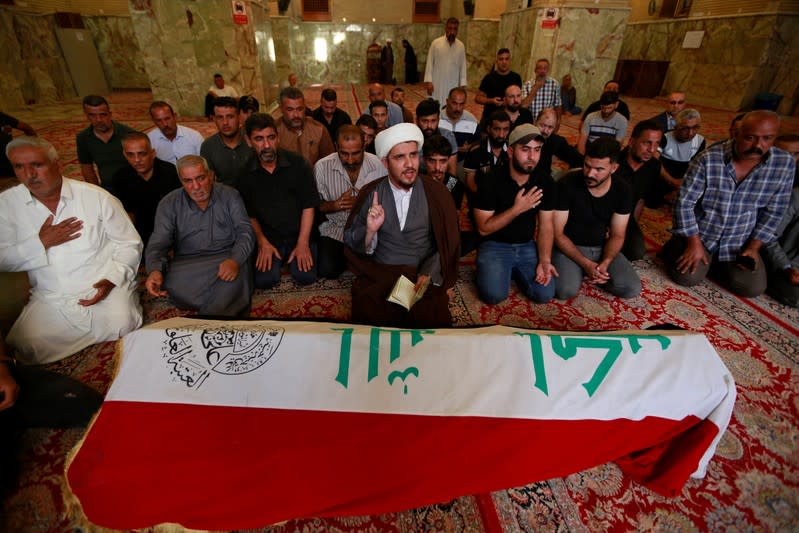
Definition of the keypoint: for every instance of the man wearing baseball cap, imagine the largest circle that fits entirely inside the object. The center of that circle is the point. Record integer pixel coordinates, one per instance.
(509, 203)
(403, 224)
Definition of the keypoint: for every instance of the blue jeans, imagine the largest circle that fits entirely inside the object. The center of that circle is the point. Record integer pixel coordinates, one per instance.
(270, 278)
(497, 262)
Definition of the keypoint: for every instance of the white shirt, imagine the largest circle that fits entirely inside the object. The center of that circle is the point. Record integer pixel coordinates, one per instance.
(332, 181)
(445, 67)
(186, 142)
(402, 201)
(227, 90)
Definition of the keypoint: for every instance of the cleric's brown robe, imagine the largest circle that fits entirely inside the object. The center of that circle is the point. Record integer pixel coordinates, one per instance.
(374, 281)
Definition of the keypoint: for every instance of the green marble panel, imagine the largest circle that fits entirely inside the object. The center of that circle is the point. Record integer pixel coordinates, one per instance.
(119, 51)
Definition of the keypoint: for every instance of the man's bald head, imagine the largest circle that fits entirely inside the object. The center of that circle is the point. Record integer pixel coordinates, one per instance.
(376, 92)
(756, 134)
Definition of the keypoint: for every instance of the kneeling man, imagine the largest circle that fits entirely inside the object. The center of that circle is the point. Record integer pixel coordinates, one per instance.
(404, 224)
(206, 227)
(591, 214)
(81, 253)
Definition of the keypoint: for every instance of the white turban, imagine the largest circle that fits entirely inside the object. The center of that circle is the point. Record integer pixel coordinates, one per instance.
(391, 137)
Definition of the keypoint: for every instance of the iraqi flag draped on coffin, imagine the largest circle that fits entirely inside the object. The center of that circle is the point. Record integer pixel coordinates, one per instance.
(228, 425)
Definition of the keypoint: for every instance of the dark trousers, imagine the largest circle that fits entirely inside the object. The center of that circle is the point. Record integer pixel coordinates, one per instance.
(332, 262)
(270, 278)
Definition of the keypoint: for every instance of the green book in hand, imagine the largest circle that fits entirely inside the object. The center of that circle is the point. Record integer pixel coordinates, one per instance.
(405, 294)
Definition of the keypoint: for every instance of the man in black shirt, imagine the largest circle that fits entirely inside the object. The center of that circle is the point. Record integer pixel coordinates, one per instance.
(492, 88)
(328, 113)
(640, 169)
(513, 107)
(280, 197)
(591, 214)
(491, 152)
(508, 204)
(143, 182)
(623, 109)
(554, 144)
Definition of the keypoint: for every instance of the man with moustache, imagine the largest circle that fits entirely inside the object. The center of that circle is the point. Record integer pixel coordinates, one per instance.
(299, 133)
(329, 114)
(541, 92)
(281, 199)
(507, 207)
(170, 140)
(677, 148)
(398, 97)
(428, 117)
(377, 92)
(730, 204)
(491, 152)
(513, 107)
(404, 224)
(379, 111)
(606, 122)
(446, 63)
(101, 143)
(368, 126)
(227, 153)
(80, 251)
(491, 93)
(554, 144)
(639, 167)
(591, 214)
(458, 120)
(199, 252)
(144, 182)
(339, 177)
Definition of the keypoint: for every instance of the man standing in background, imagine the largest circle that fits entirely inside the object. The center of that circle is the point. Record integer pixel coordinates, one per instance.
(446, 63)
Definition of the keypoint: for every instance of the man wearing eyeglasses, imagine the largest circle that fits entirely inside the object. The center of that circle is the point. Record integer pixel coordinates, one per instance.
(674, 104)
(677, 149)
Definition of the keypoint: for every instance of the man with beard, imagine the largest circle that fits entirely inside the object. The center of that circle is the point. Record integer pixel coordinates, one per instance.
(170, 140)
(199, 252)
(398, 97)
(677, 149)
(507, 207)
(404, 224)
(543, 91)
(491, 152)
(460, 122)
(329, 114)
(379, 111)
(143, 183)
(101, 143)
(339, 177)
(591, 214)
(491, 93)
(623, 108)
(730, 204)
(428, 116)
(639, 167)
(376, 92)
(513, 107)
(446, 63)
(554, 144)
(227, 154)
(368, 126)
(603, 123)
(300, 133)
(280, 197)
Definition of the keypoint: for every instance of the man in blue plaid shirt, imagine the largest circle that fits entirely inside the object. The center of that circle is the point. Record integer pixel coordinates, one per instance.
(730, 203)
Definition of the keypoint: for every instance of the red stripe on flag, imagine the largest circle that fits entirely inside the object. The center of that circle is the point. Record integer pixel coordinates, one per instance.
(232, 467)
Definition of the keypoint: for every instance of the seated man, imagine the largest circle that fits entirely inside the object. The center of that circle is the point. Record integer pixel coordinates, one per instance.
(339, 177)
(247, 106)
(81, 253)
(623, 108)
(300, 133)
(492, 151)
(428, 117)
(640, 169)
(7, 124)
(677, 149)
(782, 255)
(328, 114)
(368, 126)
(458, 120)
(144, 182)
(281, 200)
(378, 110)
(568, 97)
(541, 92)
(674, 104)
(218, 90)
(377, 92)
(507, 206)
(402, 225)
(554, 144)
(730, 204)
(170, 140)
(513, 107)
(205, 226)
(607, 122)
(229, 157)
(591, 214)
(398, 97)
(101, 143)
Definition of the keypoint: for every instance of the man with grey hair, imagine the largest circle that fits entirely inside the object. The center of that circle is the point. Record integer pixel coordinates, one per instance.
(677, 148)
(403, 224)
(80, 251)
(206, 228)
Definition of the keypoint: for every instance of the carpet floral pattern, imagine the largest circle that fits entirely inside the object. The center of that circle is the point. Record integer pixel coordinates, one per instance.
(752, 483)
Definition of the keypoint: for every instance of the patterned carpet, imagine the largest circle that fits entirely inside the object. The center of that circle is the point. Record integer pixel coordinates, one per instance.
(752, 483)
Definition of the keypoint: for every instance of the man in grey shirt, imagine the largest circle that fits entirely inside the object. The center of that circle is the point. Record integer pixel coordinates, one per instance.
(206, 225)
(227, 153)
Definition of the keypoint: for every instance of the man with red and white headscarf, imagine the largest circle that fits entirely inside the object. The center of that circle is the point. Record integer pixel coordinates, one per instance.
(403, 224)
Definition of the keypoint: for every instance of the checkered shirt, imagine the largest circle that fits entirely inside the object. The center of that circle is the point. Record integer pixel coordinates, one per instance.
(547, 96)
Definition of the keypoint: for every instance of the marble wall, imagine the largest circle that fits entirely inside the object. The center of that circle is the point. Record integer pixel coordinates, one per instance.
(266, 73)
(32, 68)
(118, 51)
(585, 43)
(184, 43)
(739, 57)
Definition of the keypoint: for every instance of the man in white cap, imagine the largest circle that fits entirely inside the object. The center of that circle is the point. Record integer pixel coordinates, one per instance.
(403, 224)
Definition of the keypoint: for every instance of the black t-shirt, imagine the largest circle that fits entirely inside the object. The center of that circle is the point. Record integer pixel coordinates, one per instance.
(525, 117)
(5, 138)
(560, 148)
(494, 84)
(277, 200)
(589, 216)
(340, 118)
(141, 197)
(595, 106)
(641, 181)
(497, 192)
